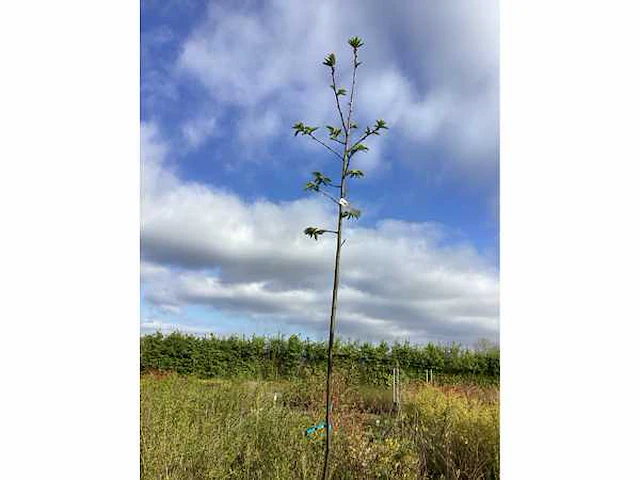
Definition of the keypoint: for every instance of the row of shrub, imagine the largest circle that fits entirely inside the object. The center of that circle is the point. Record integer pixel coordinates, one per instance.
(279, 357)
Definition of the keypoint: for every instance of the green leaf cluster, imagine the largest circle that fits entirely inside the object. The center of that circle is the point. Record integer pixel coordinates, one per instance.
(301, 128)
(380, 125)
(330, 60)
(355, 42)
(334, 132)
(314, 232)
(359, 147)
(354, 173)
(318, 179)
(321, 179)
(351, 213)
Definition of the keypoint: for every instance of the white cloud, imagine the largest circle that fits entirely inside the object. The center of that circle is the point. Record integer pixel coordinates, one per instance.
(431, 70)
(197, 130)
(208, 247)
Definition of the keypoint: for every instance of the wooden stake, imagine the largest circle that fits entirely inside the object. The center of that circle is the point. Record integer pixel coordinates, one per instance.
(393, 385)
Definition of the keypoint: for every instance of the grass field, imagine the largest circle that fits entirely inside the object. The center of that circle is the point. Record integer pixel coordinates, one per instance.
(214, 429)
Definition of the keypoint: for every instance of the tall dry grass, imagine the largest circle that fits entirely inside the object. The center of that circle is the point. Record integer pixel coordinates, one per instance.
(215, 429)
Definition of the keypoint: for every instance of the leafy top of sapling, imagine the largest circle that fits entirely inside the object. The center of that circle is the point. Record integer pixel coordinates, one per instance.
(330, 60)
(355, 42)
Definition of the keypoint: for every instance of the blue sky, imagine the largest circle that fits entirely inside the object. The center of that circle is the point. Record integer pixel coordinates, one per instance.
(222, 203)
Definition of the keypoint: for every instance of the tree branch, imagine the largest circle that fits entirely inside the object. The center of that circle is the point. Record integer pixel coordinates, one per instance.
(353, 85)
(364, 137)
(325, 145)
(335, 93)
(333, 199)
(346, 159)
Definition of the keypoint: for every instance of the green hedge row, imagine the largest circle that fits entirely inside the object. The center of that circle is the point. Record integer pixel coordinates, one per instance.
(278, 357)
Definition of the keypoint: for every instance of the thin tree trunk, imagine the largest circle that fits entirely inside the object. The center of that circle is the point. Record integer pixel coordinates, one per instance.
(334, 305)
(336, 272)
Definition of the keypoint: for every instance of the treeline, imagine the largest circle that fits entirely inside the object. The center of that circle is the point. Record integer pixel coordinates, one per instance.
(279, 357)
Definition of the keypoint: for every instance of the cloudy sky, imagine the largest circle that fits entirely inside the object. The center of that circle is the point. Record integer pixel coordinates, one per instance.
(223, 208)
